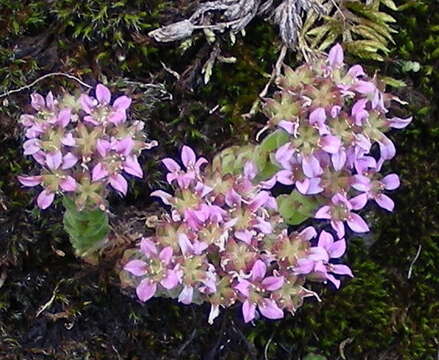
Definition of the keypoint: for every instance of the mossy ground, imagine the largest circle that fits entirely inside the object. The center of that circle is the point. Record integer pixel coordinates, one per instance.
(380, 314)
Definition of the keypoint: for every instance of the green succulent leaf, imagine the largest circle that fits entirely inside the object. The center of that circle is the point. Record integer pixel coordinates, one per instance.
(87, 229)
(295, 208)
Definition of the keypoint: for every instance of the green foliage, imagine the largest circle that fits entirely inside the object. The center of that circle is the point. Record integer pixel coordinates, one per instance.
(87, 229)
(363, 27)
(295, 208)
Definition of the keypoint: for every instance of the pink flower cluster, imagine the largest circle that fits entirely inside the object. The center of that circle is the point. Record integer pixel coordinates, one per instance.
(224, 242)
(82, 144)
(334, 115)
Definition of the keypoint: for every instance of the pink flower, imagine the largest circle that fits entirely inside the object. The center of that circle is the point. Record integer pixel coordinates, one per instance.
(256, 293)
(317, 264)
(192, 165)
(340, 211)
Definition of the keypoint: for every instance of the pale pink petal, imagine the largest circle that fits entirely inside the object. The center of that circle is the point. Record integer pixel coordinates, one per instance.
(304, 266)
(318, 117)
(323, 213)
(270, 310)
(357, 224)
(284, 154)
(244, 235)
(125, 146)
(335, 56)
(146, 290)
(99, 172)
(356, 71)
(45, 199)
(385, 202)
(314, 186)
(311, 166)
(171, 165)
(188, 156)
(166, 255)
(103, 146)
(68, 140)
(391, 181)
(69, 160)
(289, 126)
(337, 249)
(136, 267)
(258, 270)
(341, 269)
(399, 123)
(164, 196)
(87, 103)
(30, 180)
(31, 146)
(358, 202)
(325, 240)
(273, 283)
(263, 226)
(303, 186)
(285, 177)
(243, 287)
(248, 311)
(338, 159)
(122, 103)
(119, 183)
(259, 200)
(186, 295)
(338, 226)
(330, 144)
(68, 184)
(171, 280)
(308, 233)
(103, 94)
(54, 160)
(332, 279)
(50, 104)
(131, 166)
(148, 247)
(117, 117)
(37, 101)
(64, 116)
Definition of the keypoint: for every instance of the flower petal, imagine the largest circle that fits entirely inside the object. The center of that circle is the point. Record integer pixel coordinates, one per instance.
(358, 202)
(146, 290)
(270, 310)
(248, 311)
(273, 283)
(166, 255)
(68, 184)
(357, 224)
(323, 213)
(171, 165)
(45, 199)
(131, 166)
(171, 280)
(122, 103)
(385, 202)
(341, 269)
(335, 56)
(30, 180)
(258, 270)
(119, 183)
(98, 172)
(337, 249)
(103, 94)
(186, 295)
(188, 156)
(391, 181)
(136, 267)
